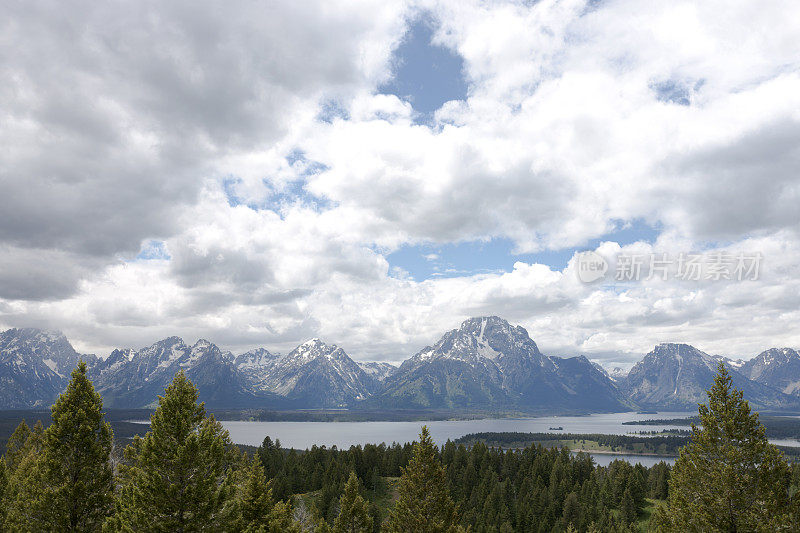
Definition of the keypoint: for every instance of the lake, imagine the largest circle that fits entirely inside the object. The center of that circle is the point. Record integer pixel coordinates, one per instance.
(302, 435)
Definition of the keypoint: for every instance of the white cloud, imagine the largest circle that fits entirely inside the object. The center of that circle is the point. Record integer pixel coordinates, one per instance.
(120, 126)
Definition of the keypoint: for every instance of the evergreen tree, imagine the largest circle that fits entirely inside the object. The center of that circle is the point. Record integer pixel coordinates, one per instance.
(572, 510)
(354, 515)
(258, 512)
(424, 504)
(25, 487)
(3, 483)
(728, 478)
(177, 475)
(635, 486)
(75, 464)
(15, 447)
(62, 479)
(658, 481)
(627, 507)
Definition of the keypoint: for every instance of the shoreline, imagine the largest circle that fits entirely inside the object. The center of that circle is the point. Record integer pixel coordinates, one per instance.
(608, 452)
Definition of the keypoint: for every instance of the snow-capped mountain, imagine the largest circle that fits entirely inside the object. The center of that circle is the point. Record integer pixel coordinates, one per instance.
(617, 374)
(486, 363)
(256, 364)
(314, 374)
(730, 363)
(777, 367)
(35, 366)
(676, 376)
(377, 370)
(129, 378)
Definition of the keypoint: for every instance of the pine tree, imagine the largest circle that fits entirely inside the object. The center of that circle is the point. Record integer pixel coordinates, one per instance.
(15, 447)
(177, 474)
(635, 486)
(258, 512)
(25, 487)
(572, 510)
(627, 507)
(354, 515)
(728, 478)
(3, 483)
(76, 467)
(62, 479)
(424, 504)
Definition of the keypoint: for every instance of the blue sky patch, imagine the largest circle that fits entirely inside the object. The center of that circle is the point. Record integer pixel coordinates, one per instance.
(292, 192)
(675, 91)
(426, 75)
(153, 249)
(426, 261)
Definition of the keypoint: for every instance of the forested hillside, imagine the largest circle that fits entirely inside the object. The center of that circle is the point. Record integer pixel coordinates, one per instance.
(186, 475)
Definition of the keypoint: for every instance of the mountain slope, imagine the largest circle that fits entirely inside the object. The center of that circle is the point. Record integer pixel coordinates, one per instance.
(676, 376)
(487, 364)
(135, 378)
(378, 371)
(778, 368)
(314, 374)
(35, 366)
(584, 379)
(256, 365)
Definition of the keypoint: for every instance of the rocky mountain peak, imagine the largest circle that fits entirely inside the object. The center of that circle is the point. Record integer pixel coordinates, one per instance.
(256, 358)
(202, 344)
(311, 349)
(482, 339)
(169, 341)
(776, 367)
(32, 345)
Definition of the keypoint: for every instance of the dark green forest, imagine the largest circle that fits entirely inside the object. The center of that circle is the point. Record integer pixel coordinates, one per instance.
(668, 445)
(778, 427)
(185, 475)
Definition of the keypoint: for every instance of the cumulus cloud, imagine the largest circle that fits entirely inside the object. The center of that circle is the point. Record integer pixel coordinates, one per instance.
(251, 141)
(114, 116)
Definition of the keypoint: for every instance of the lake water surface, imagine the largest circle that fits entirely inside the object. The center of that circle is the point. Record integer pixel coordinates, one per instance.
(302, 435)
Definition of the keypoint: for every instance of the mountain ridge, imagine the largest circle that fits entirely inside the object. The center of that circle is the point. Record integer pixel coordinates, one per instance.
(485, 364)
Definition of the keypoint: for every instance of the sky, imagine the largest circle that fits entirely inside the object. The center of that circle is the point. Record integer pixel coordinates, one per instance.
(372, 173)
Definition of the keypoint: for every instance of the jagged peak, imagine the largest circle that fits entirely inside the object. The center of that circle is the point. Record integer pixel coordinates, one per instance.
(47, 336)
(311, 343)
(484, 320)
(169, 341)
(480, 340)
(678, 349)
(203, 343)
(313, 348)
(42, 332)
(782, 353)
(674, 346)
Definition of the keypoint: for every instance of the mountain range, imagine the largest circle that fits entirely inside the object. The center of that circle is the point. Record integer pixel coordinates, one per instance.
(486, 364)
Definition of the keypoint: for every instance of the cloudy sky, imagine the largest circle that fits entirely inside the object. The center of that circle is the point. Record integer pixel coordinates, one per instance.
(373, 172)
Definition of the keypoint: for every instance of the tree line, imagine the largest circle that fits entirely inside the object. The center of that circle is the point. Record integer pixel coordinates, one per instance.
(777, 427)
(185, 475)
(661, 444)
